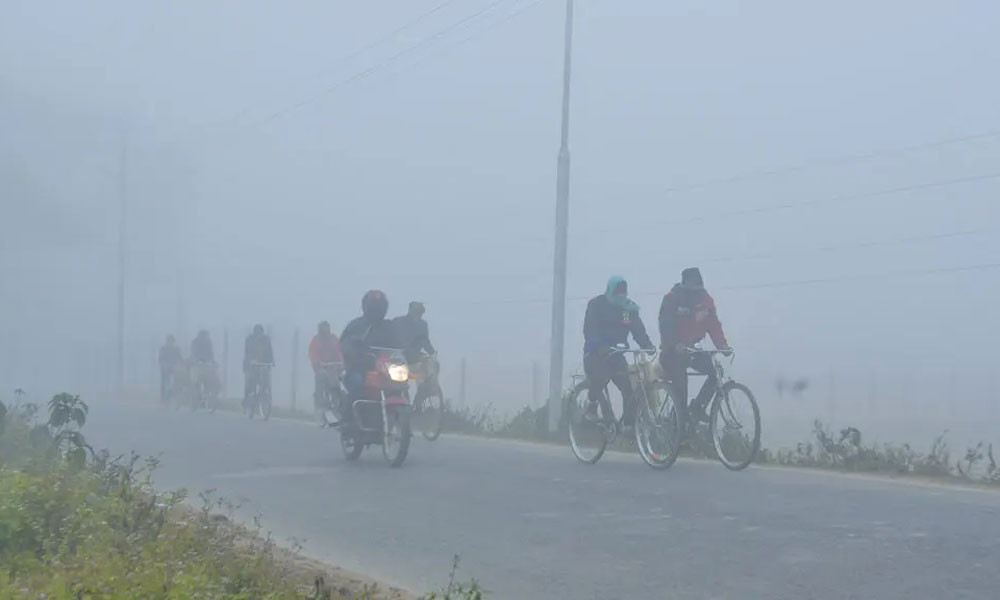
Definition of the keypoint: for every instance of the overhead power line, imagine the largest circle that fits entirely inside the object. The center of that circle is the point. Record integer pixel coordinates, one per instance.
(834, 161)
(381, 65)
(773, 284)
(816, 201)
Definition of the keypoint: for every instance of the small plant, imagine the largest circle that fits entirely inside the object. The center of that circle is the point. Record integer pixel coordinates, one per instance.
(457, 591)
(67, 415)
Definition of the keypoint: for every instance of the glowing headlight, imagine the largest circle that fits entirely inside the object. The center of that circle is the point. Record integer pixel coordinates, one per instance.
(398, 373)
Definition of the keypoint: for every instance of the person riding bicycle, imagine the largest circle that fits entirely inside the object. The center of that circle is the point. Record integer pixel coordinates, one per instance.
(370, 330)
(609, 320)
(415, 339)
(256, 351)
(413, 333)
(202, 359)
(169, 359)
(324, 354)
(687, 314)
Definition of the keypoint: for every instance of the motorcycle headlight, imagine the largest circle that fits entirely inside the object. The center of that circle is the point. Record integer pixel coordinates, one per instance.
(398, 372)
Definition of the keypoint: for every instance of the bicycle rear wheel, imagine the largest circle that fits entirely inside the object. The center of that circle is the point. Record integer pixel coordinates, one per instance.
(428, 416)
(735, 426)
(588, 438)
(659, 426)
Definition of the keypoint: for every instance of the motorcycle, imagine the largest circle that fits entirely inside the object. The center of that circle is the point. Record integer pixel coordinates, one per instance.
(381, 416)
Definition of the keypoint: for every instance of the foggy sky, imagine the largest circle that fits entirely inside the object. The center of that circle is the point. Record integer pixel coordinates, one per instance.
(434, 178)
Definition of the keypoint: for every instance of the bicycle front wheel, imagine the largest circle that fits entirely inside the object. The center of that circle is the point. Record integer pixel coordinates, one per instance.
(735, 426)
(658, 427)
(587, 437)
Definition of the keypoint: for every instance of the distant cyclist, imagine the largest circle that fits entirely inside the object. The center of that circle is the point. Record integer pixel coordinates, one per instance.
(687, 314)
(202, 359)
(609, 320)
(256, 351)
(170, 360)
(326, 359)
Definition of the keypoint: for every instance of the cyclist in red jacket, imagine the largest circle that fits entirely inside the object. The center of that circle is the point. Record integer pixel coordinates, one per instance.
(687, 314)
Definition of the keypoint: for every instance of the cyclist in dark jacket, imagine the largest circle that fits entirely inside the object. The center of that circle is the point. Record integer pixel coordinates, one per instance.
(609, 320)
(413, 332)
(687, 314)
(257, 349)
(170, 359)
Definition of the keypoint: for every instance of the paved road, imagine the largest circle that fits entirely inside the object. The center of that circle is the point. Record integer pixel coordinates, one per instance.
(530, 522)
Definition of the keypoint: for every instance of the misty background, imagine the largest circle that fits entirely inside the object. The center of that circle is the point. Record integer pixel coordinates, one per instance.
(832, 168)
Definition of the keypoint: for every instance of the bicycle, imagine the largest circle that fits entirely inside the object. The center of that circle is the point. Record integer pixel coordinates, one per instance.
(328, 400)
(428, 401)
(205, 382)
(728, 417)
(657, 421)
(258, 401)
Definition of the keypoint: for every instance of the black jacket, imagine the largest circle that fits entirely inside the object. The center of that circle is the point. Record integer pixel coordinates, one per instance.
(413, 334)
(607, 325)
(201, 350)
(360, 336)
(257, 349)
(170, 357)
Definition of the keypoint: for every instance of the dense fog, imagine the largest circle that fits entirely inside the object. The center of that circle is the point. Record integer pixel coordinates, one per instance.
(832, 168)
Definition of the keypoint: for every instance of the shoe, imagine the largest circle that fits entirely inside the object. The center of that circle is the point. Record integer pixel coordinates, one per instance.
(590, 414)
(697, 414)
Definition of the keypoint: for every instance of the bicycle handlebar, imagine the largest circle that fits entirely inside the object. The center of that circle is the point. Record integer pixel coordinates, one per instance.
(729, 352)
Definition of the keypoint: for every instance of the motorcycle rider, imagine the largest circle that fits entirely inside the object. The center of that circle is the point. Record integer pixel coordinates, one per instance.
(609, 320)
(169, 359)
(324, 352)
(687, 313)
(413, 333)
(369, 330)
(257, 349)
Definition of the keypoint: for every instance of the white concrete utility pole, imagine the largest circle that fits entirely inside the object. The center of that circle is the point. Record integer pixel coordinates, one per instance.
(122, 249)
(562, 223)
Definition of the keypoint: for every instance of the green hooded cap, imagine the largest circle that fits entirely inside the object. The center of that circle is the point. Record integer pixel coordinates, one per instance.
(621, 301)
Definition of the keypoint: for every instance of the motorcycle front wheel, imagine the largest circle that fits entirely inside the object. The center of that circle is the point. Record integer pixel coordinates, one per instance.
(396, 439)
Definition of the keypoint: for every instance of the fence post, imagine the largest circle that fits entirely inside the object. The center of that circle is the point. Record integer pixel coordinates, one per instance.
(225, 363)
(295, 366)
(462, 383)
(534, 384)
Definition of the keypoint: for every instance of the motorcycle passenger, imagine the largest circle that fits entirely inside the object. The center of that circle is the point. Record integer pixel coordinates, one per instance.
(170, 360)
(326, 358)
(202, 360)
(609, 320)
(413, 333)
(687, 314)
(256, 350)
(369, 330)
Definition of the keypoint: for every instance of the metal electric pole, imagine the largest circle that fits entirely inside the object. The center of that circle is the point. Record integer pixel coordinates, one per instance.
(122, 240)
(562, 223)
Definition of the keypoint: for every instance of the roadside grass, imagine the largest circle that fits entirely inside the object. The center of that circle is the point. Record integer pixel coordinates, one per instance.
(76, 524)
(844, 451)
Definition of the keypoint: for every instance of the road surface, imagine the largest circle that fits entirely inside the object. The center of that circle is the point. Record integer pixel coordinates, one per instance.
(530, 522)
